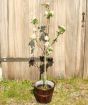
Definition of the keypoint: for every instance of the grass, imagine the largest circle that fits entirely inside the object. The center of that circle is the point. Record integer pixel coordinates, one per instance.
(15, 91)
(67, 92)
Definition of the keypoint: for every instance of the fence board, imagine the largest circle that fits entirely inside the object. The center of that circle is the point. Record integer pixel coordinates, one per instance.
(72, 24)
(86, 46)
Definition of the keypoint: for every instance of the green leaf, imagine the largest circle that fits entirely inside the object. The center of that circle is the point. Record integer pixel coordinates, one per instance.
(49, 14)
(61, 30)
(49, 51)
(34, 21)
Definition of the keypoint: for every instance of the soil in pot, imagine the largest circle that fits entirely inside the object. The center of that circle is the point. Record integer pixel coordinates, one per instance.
(44, 87)
(43, 94)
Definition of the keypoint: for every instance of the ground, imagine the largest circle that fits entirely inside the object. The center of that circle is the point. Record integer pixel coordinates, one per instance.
(67, 92)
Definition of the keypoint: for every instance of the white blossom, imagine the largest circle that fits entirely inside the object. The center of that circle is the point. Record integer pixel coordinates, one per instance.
(63, 27)
(50, 48)
(46, 12)
(33, 36)
(49, 52)
(46, 38)
(49, 12)
(34, 18)
(34, 29)
(46, 44)
(48, 3)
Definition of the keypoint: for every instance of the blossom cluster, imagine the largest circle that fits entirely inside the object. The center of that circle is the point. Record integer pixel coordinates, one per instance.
(44, 35)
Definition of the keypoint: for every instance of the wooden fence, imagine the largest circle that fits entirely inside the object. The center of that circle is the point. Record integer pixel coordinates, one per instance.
(70, 52)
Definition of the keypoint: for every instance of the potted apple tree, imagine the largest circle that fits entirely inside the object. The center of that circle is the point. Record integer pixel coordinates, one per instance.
(43, 88)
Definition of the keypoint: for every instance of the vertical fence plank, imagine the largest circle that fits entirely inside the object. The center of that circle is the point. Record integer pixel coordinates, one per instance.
(71, 36)
(81, 39)
(86, 45)
(59, 47)
(4, 34)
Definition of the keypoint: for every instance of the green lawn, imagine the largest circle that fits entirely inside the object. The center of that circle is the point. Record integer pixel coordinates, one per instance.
(67, 92)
